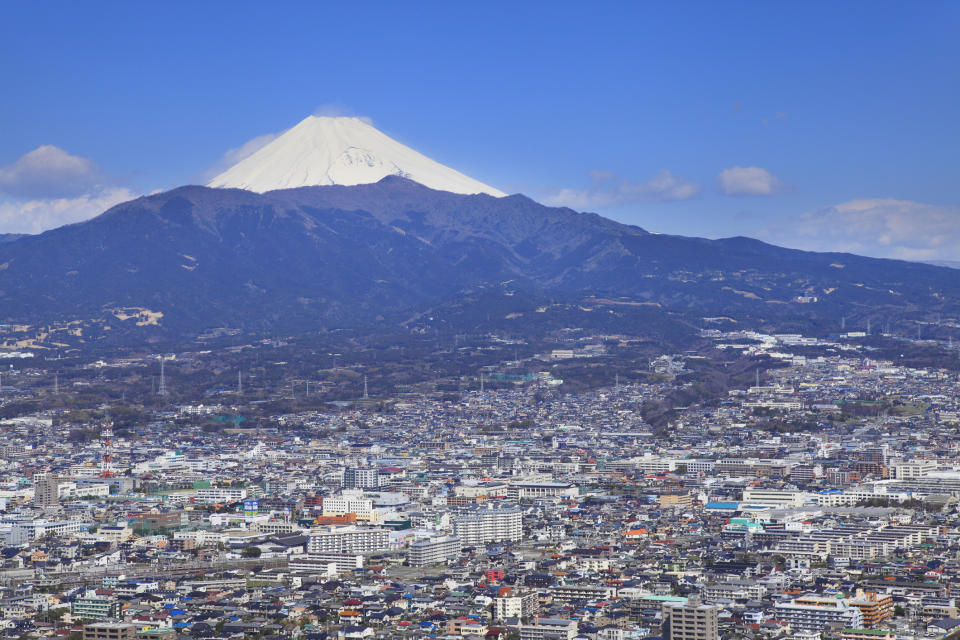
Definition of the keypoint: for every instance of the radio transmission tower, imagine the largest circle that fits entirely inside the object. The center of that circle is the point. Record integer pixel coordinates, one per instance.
(163, 381)
(106, 460)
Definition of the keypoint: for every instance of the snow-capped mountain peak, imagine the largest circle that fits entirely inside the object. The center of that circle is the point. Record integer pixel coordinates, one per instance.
(324, 150)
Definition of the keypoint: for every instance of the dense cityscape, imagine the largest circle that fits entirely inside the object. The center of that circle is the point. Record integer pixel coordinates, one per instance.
(479, 320)
(818, 500)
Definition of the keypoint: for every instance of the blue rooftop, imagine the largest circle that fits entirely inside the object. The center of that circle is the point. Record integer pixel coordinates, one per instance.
(722, 505)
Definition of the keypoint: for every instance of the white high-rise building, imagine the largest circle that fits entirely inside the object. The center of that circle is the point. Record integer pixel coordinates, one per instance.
(434, 551)
(814, 617)
(361, 478)
(347, 540)
(504, 524)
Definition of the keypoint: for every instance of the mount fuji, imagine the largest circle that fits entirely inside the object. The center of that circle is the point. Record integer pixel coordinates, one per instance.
(322, 151)
(335, 225)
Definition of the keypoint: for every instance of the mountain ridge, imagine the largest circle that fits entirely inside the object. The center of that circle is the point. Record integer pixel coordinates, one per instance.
(387, 251)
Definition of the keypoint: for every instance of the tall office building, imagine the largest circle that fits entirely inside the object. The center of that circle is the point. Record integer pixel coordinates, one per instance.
(361, 478)
(46, 489)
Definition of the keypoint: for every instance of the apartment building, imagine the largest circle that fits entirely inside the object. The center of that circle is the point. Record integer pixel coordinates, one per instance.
(549, 629)
(481, 490)
(691, 620)
(126, 631)
(518, 604)
(913, 469)
(874, 607)
(434, 551)
(775, 498)
(221, 495)
(535, 490)
(91, 606)
(109, 631)
(46, 489)
(817, 617)
(23, 532)
(361, 478)
(362, 507)
(734, 590)
(678, 499)
(571, 593)
(343, 562)
(504, 524)
(348, 539)
(867, 634)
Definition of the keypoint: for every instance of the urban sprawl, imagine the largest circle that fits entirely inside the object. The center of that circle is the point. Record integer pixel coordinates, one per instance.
(518, 512)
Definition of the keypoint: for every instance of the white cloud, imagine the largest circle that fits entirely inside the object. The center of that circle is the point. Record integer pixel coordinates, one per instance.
(49, 172)
(608, 190)
(881, 227)
(749, 181)
(247, 149)
(334, 110)
(50, 187)
(235, 155)
(34, 216)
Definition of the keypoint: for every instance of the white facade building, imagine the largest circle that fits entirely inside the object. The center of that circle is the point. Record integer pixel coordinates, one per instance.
(504, 524)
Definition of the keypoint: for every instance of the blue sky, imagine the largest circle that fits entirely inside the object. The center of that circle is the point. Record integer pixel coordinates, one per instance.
(821, 125)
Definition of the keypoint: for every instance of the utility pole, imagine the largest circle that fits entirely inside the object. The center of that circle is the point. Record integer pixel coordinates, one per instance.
(239, 381)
